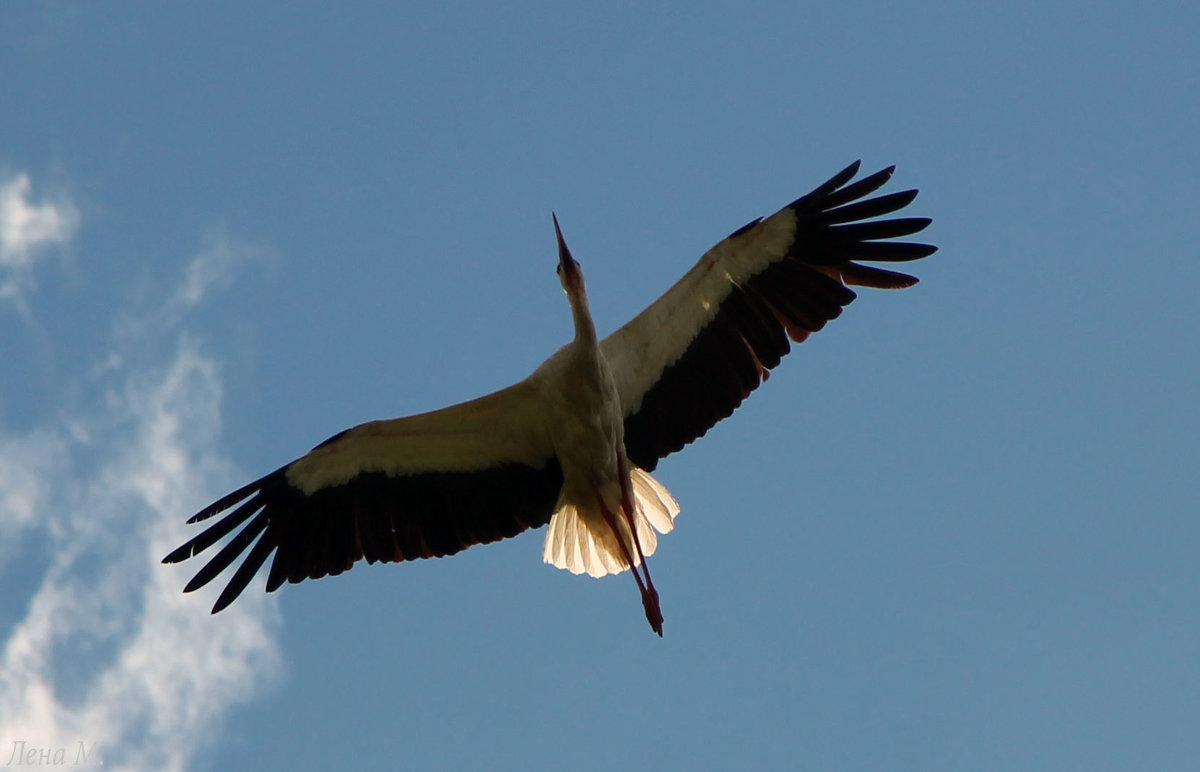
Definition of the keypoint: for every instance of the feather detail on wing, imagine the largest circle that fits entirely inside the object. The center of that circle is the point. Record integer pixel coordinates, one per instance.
(581, 542)
(696, 353)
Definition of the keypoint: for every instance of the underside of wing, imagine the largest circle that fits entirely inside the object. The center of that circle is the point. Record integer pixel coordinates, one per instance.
(423, 486)
(696, 353)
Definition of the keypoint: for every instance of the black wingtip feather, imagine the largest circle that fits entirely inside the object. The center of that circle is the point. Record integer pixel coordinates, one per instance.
(216, 532)
(834, 182)
(872, 207)
(880, 229)
(875, 278)
(229, 553)
(227, 501)
(245, 572)
(857, 190)
(888, 251)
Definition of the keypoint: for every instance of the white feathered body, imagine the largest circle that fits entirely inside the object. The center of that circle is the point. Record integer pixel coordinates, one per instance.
(584, 415)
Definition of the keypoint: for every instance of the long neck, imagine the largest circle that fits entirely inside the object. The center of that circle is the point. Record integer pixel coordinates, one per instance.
(585, 329)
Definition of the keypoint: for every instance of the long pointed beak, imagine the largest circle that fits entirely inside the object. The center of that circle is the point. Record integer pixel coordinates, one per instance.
(567, 267)
(564, 255)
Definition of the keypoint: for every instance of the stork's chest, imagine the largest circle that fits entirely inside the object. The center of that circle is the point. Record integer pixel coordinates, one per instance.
(584, 411)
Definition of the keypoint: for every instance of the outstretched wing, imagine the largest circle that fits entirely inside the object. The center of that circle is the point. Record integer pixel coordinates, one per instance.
(689, 360)
(423, 486)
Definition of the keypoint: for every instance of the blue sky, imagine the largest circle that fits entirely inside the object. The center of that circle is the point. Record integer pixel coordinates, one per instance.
(957, 529)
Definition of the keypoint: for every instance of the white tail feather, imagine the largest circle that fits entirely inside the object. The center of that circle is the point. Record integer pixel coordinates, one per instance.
(583, 543)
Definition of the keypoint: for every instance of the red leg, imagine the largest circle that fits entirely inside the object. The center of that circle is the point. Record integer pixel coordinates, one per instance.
(627, 505)
(649, 594)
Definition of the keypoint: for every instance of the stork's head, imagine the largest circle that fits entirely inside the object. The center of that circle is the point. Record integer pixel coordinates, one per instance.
(568, 270)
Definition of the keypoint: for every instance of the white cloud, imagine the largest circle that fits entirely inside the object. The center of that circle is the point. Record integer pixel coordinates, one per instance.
(27, 229)
(214, 265)
(109, 653)
(220, 257)
(27, 467)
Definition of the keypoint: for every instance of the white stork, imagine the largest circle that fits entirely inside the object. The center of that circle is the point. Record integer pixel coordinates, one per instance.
(572, 445)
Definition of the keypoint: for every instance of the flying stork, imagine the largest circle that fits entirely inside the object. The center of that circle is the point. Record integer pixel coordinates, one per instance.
(572, 446)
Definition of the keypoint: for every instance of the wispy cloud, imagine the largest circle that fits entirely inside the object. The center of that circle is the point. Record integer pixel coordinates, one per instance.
(27, 230)
(109, 656)
(220, 257)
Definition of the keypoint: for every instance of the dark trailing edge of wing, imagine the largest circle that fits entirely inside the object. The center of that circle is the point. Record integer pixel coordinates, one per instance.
(374, 516)
(791, 298)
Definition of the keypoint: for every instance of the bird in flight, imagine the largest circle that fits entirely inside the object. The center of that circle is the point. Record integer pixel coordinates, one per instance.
(572, 446)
